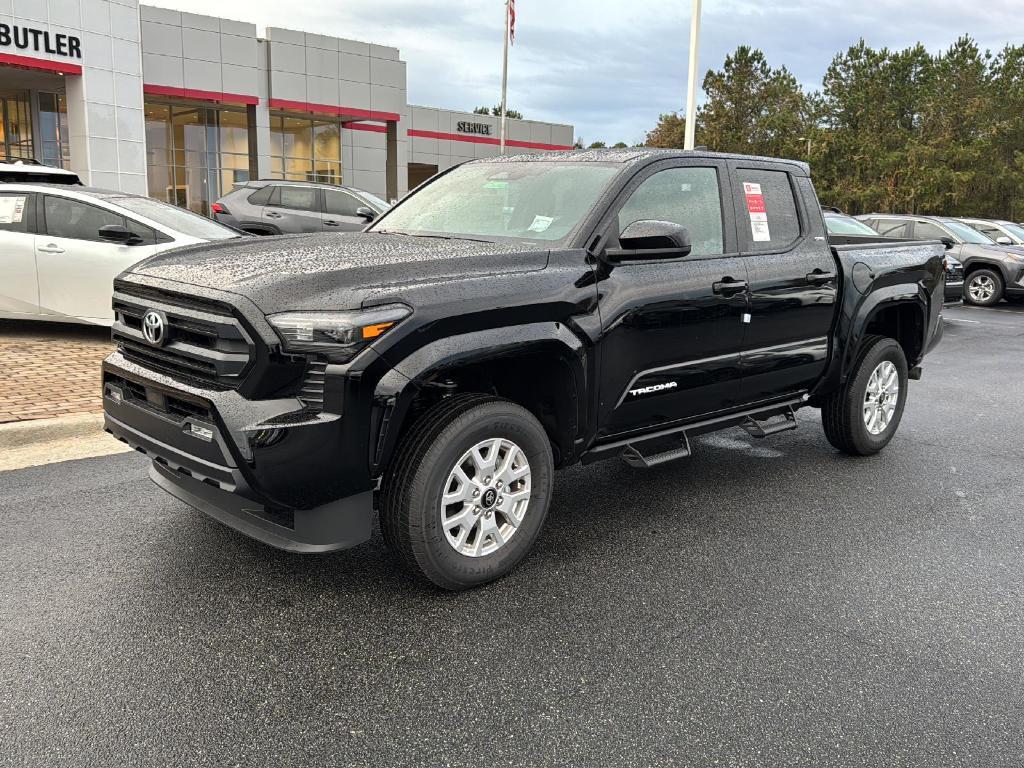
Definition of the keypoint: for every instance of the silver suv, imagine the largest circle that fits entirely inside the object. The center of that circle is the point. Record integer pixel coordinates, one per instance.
(272, 207)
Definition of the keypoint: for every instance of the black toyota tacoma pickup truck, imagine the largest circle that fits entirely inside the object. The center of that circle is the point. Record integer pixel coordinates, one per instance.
(510, 317)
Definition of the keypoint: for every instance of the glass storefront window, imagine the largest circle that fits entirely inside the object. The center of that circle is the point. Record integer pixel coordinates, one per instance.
(53, 129)
(195, 154)
(303, 149)
(16, 126)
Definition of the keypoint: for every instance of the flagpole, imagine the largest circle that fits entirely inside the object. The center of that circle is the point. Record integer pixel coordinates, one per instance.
(504, 81)
(691, 90)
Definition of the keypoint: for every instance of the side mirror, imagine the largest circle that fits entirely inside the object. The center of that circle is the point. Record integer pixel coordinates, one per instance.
(949, 242)
(651, 239)
(366, 213)
(1004, 240)
(116, 233)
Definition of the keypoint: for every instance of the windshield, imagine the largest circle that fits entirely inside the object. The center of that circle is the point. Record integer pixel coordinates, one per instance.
(538, 201)
(372, 199)
(1016, 231)
(173, 217)
(965, 233)
(847, 225)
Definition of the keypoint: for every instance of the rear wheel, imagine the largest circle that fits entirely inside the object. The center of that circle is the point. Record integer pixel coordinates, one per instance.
(862, 417)
(468, 492)
(983, 287)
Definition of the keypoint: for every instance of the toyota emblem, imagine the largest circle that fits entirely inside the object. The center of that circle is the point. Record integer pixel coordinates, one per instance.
(154, 327)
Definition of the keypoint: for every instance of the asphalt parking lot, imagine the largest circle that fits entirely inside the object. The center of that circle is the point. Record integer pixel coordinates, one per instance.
(766, 603)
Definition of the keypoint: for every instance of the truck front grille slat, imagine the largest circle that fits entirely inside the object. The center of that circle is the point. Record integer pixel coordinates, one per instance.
(203, 341)
(311, 393)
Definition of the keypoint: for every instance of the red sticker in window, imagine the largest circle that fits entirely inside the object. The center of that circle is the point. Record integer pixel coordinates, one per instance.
(758, 212)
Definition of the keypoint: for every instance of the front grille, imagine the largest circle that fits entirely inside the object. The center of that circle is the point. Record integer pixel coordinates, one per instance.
(157, 400)
(203, 341)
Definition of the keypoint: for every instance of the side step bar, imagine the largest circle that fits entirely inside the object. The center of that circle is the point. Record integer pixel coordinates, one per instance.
(758, 428)
(633, 456)
(656, 448)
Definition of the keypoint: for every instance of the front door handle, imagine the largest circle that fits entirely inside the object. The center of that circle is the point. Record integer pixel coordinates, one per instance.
(727, 286)
(51, 248)
(332, 223)
(817, 277)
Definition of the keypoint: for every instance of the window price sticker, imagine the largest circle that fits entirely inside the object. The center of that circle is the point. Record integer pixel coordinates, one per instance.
(11, 209)
(759, 231)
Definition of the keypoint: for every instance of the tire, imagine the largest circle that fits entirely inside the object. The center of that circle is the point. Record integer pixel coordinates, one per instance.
(844, 415)
(983, 287)
(412, 511)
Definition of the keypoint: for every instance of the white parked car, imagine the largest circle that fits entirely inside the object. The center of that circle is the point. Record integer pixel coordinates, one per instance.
(61, 247)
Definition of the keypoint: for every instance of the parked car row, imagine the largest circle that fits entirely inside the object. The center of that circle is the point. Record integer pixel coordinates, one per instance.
(985, 258)
(63, 243)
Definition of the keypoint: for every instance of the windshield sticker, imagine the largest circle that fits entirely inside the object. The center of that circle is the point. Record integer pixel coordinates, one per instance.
(758, 212)
(12, 209)
(540, 223)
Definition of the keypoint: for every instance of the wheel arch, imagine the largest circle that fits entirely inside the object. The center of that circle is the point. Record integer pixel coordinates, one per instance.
(540, 366)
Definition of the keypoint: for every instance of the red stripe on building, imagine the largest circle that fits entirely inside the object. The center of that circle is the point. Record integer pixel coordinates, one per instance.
(331, 109)
(485, 140)
(192, 93)
(40, 65)
(372, 127)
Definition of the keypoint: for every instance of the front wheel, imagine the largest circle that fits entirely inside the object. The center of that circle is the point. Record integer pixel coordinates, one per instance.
(468, 492)
(862, 417)
(984, 287)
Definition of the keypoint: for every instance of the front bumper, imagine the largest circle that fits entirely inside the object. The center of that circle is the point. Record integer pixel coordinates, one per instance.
(292, 492)
(954, 291)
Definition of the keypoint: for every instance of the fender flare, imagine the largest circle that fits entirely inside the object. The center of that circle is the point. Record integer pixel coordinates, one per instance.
(398, 388)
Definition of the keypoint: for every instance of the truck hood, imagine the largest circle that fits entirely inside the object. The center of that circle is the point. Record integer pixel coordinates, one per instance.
(333, 270)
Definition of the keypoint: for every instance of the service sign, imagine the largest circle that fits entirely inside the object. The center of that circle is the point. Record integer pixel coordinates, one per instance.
(21, 38)
(482, 129)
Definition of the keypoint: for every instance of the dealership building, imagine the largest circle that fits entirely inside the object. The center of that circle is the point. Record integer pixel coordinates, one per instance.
(182, 107)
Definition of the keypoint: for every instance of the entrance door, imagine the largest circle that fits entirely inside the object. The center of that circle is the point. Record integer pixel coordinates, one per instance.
(793, 281)
(673, 330)
(76, 267)
(16, 126)
(19, 289)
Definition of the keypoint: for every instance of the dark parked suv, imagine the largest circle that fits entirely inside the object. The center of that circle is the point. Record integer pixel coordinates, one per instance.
(992, 271)
(271, 207)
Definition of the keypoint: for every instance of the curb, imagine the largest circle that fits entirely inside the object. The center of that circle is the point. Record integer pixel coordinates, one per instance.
(18, 434)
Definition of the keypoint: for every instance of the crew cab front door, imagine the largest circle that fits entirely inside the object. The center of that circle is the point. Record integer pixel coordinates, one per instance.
(793, 278)
(340, 212)
(672, 330)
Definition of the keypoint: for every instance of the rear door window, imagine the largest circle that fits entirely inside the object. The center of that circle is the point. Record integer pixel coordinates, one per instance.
(16, 212)
(925, 230)
(299, 198)
(768, 218)
(891, 227)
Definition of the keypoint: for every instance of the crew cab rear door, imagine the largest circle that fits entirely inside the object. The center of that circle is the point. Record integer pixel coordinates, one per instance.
(793, 278)
(672, 330)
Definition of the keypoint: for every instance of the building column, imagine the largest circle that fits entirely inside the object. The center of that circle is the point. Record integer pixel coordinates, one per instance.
(391, 161)
(259, 140)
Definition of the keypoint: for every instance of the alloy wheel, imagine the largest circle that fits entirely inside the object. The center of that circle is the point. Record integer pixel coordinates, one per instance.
(880, 397)
(485, 497)
(981, 288)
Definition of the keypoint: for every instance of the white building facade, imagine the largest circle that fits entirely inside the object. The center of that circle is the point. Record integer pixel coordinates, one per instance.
(182, 107)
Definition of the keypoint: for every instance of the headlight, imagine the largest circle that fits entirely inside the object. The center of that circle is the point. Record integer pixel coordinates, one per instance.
(339, 335)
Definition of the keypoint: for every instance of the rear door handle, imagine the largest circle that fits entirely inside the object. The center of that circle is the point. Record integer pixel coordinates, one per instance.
(332, 223)
(51, 248)
(727, 286)
(273, 215)
(817, 277)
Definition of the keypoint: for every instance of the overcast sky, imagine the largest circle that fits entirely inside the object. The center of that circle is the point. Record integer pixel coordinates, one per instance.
(610, 67)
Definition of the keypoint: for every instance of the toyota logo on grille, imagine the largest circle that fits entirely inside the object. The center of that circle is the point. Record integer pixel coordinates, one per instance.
(154, 327)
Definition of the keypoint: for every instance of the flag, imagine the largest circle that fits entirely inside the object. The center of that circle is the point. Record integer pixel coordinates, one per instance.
(512, 21)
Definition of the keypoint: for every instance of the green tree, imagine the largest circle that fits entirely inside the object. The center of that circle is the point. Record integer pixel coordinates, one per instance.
(620, 145)
(668, 133)
(597, 145)
(510, 113)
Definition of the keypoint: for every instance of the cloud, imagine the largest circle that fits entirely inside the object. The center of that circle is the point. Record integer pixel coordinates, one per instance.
(611, 67)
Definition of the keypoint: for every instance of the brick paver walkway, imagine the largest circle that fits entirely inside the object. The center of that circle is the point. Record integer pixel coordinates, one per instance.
(50, 369)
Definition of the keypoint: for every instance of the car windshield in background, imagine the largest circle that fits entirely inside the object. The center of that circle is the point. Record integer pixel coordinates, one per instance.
(178, 219)
(966, 233)
(847, 225)
(1014, 229)
(542, 201)
(382, 205)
